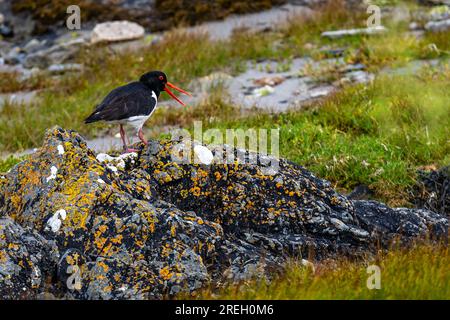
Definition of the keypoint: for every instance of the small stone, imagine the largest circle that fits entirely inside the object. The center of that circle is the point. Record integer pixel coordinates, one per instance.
(353, 32)
(203, 154)
(438, 26)
(414, 26)
(33, 45)
(116, 31)
(62, 68)
(6, 30)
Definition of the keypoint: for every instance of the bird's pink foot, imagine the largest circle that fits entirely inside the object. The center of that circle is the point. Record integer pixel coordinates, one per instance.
(130, 150)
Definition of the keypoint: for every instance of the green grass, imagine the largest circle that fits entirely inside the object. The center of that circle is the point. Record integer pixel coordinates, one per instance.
(376, 134)
(8, 163)
(419, 273)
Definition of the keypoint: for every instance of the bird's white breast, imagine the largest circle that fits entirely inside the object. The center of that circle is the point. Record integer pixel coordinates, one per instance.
(138, 121)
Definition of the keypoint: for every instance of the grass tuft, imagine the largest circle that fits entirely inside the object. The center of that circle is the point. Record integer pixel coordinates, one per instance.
(419, 273)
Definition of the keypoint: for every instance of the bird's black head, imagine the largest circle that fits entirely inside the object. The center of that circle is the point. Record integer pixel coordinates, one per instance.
(157, 81)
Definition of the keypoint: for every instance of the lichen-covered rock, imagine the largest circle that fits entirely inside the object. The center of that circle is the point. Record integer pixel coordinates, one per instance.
(27, 261)
(143, 225)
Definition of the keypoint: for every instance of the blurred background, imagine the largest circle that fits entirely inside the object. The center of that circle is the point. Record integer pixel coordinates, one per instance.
(363, 108)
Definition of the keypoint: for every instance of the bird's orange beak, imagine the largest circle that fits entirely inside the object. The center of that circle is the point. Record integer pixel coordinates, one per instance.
(168, 84)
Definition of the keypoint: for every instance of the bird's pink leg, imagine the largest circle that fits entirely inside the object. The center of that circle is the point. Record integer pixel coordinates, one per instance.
(124, 141)
(141, 136)
(122, 136)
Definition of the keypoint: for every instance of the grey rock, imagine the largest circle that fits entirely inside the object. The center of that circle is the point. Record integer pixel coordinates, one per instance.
(19, 97)
(67, 67)
(353, 32)
(34, 45)
(414, 26)
(6, 31)
(359, 76)
(57, 54)
(438, 26)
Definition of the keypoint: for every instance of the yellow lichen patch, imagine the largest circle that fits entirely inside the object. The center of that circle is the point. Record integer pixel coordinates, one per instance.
(34, 177)
(104, 266)
(2, 256)
(117, 239)
(195, 191)
(99, 240)
(13, 246)
(107, 289)
(16, 200)
(117, 277)
(335, 201)
(165, 273)
(184, 193)
(173, 231)
(150, 217)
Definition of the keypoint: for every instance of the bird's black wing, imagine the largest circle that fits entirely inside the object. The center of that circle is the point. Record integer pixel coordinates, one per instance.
(133, 99)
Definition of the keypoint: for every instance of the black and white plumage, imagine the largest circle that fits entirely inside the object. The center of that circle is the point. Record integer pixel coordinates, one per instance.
(130, 104)
(133, 103)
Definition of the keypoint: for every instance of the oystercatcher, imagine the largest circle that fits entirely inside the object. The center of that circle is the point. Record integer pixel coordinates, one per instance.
(134, 103)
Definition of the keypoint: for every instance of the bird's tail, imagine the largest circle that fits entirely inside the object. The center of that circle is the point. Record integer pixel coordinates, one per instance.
(94, 117)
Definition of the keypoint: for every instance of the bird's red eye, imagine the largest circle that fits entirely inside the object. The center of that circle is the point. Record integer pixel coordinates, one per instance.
(161, 78)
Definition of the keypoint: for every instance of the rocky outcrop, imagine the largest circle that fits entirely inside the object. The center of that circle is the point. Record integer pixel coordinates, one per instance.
(147, 224)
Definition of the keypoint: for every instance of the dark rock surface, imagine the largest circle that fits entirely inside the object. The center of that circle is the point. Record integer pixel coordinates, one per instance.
(433, 191)
(144, 225)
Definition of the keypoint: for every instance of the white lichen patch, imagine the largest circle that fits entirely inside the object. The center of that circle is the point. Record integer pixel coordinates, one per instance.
(203, 154)
(118, 161)
(100, 181)
(54, 223)
(308, 264)
(60, 149)
(53, 172)
(264, 91)
(112, 168)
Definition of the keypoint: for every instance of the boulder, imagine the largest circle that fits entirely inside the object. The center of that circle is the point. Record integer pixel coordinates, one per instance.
(150, 224)
(353, 32)
(116, 31)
